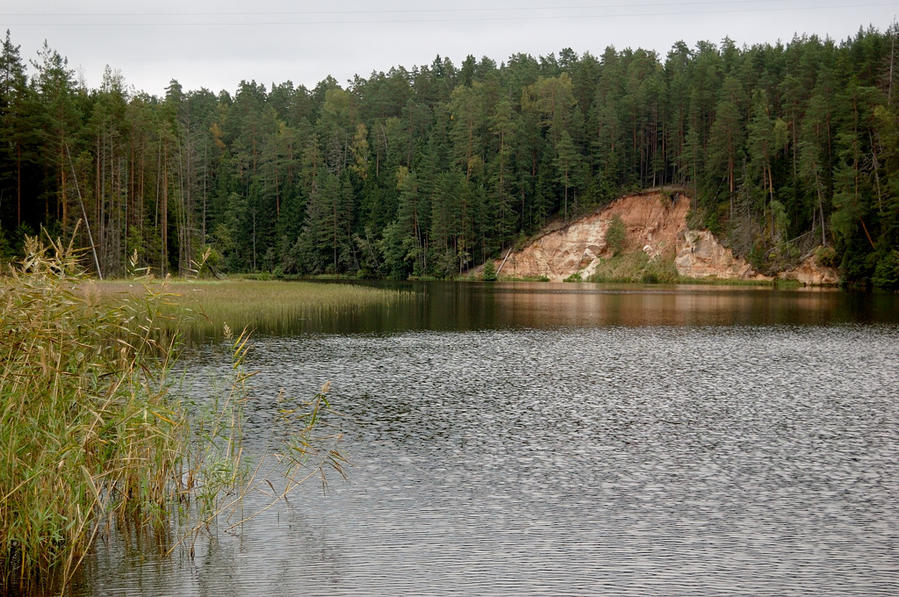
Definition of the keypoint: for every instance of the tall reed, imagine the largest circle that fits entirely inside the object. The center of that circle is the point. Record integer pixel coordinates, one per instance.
(90, 433)
(87, 430)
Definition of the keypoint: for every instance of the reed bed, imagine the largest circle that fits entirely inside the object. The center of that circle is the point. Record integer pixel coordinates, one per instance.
(91, 432)
(87, 429)
(202, 307)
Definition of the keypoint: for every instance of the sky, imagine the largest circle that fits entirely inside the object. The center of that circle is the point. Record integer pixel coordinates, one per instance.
(217, 43)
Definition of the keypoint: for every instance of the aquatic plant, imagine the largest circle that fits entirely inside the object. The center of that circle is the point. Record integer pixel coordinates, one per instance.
(198, 309)
(92, 432)
(87, 430)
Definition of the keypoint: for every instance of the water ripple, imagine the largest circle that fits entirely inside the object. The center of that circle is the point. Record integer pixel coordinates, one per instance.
(612, 461)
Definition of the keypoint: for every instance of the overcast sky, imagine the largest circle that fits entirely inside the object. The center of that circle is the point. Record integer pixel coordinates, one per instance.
(217, 43)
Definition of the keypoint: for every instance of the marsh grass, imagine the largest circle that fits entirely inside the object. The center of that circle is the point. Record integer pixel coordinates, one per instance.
(713, 281)
(200, 308)
(93, 434)
(524, 279)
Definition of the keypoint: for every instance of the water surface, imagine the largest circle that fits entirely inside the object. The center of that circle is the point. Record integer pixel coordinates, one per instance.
(572, 440)
(476, 306)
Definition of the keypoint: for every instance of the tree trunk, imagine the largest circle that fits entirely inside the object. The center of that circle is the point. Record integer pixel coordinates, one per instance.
(18, 184)
(820, 208)
(62, 187)
(165, 212)
(205, 175)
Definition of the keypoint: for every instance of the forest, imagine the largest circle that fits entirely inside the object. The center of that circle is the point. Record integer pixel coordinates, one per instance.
(787, 149)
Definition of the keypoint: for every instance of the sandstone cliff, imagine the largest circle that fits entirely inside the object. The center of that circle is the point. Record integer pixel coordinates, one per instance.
(700, 255)
(656, 223)
(811, 273)
(652, 221)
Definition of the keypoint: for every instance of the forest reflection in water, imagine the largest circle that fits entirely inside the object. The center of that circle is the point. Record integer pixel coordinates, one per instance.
(473, 306)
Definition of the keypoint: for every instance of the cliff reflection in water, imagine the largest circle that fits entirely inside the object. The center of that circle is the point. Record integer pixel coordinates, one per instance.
(537, 305)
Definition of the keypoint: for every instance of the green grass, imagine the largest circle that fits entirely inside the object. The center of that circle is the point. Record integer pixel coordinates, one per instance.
(200, 308)
(636, 267)
(92, 431)
(523, 279)
(786, 284)
(712, 281)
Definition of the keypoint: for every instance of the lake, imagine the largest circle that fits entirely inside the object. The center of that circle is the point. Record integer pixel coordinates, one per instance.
(558, 439)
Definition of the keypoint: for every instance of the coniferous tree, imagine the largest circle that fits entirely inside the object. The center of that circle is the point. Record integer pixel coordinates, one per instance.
(428, 170)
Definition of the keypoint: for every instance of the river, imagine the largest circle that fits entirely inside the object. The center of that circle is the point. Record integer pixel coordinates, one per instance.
(558, 439)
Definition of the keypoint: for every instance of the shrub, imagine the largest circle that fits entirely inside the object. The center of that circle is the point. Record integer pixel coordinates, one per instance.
(826, 257)
(886, 272)
(489, 273)
(209, 263)
(636, 267)
(616, 234)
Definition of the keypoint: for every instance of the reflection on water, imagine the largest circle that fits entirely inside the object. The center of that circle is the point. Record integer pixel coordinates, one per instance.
(578, 441)
(472, 306)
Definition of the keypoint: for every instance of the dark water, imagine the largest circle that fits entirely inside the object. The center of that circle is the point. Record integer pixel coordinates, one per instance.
(474, 306)
(558, 440)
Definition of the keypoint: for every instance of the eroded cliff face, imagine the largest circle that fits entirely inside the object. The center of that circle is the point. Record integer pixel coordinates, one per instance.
(656, 223)
(811, 274)
(651, 220)
(700, 255)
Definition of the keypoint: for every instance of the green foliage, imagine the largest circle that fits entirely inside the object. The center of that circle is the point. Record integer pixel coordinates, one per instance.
(757, 255)
(660, 271)
(826, 257)
(616, 235)
(886, 273)
(489, 273)
(424, 171)
(208, 264)
(575, 277)
(6, 249)
(636, 267)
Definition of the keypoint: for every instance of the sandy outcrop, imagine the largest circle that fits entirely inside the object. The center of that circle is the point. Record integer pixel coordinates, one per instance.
(700, 255)
(811, 274)
(652, 222)
(655, 223)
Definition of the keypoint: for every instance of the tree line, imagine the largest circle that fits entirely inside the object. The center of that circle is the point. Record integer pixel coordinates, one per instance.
(428, 171)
